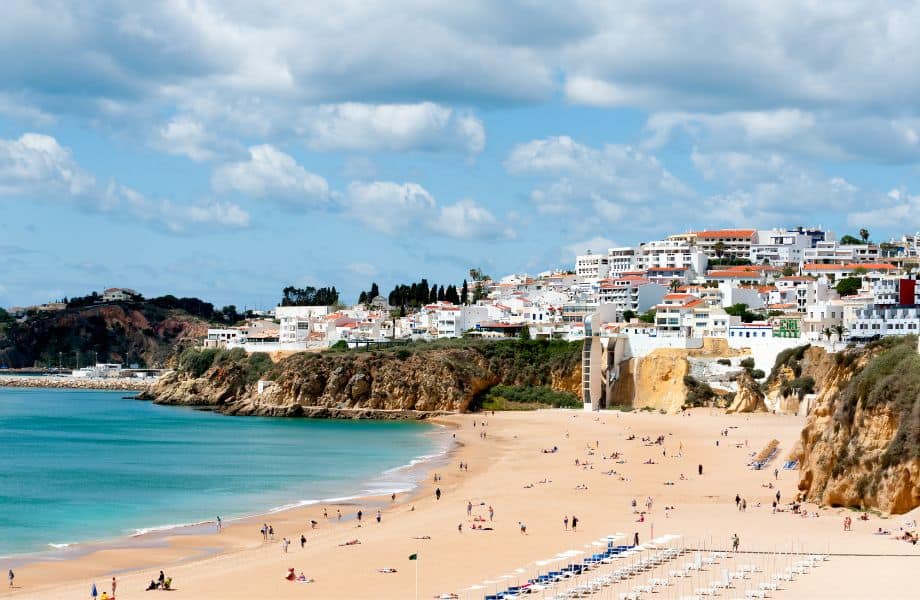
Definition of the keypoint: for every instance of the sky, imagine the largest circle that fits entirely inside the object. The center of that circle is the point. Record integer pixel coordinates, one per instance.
(226, 150)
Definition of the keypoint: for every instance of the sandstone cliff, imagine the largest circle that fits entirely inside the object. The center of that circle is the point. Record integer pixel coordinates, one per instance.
(861, 443)
(748, 398)
(659, 380)
(416, 382)
(126, 333)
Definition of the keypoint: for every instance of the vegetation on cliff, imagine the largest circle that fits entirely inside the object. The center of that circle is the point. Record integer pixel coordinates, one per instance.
(504, 397)
(861, 444)
(132, 332)
(444, 375)
(890, 381)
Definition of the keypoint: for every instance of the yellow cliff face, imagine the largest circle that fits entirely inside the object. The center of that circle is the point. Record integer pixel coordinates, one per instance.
(659, 380)
(852, 449)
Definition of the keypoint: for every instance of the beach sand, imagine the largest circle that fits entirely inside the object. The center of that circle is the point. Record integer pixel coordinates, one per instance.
(238, 564)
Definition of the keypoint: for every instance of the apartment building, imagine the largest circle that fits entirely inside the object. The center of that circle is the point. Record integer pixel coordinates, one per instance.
(726, 243)
(592, 266)
(631, 293)
(779, 247)
(834, 253)
(621, 260)
(671, 254)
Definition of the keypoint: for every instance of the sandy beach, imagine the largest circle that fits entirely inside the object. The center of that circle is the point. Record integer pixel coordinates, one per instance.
(509, 471)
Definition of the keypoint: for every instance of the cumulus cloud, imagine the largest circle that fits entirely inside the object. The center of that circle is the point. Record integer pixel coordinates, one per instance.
(895, 211)
(394, 208)
(468, 220)
(365, 127)
(36, 167)
(37, 163)
(597, 245)
(388, 207)
(611, 181)
(270, 173)
(186, 136)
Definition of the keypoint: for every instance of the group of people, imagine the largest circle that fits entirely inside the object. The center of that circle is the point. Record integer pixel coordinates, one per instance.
(160, 583)
(565, 523)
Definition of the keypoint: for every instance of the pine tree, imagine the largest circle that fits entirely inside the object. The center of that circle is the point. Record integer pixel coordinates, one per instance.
(362, 299)
(375, 291)
(440, 293)
(464, 293)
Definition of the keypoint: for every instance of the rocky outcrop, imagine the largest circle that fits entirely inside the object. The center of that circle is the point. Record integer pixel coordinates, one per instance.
(126, 333)
(659, 380)
(387, 384)
(748, 398)
(861, 443)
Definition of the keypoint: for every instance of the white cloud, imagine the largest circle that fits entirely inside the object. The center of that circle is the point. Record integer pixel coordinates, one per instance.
(36, 167)
(388, 207)
(270, 173)
(365, 127)
(395, 208)
(176, 218)
(186, 136)
(611, 182)
(597, 245)
(37, 163)
(468, 220)
(897, 210)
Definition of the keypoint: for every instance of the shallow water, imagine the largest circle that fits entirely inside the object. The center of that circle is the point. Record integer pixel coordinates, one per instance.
(78, 465)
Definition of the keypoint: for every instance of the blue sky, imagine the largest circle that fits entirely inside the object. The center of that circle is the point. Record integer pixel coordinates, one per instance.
(223, 151)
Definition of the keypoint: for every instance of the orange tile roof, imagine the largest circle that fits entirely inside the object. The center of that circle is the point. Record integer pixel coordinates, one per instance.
(725, 233)
(678, 296)
(849, 267)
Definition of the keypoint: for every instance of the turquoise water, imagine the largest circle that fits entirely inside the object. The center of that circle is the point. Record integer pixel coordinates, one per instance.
(79, 465)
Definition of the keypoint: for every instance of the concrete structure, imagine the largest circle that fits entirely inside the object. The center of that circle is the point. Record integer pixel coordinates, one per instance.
(833, 253)
(726, 243)
(779, 247)
(592, 266)
(671, 254)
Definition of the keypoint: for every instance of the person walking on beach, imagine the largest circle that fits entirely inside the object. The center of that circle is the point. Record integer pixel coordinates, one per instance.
(93, 592)
(636, 539)
(271, 533)
(11, 576)
(379, 516)
(469, 508)
(325, 514)
(219, 525)
(574, 523)
(339, 514)
(743, 505)
(738, 501)
(437, 493)
(360, 514)
(264, 532)
(700, 468)
(303, 541)
(565, 522)
(114, 585)
(491, 512)
(736, 541)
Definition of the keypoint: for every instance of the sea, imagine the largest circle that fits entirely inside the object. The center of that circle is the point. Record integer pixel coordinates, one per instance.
(79, 467)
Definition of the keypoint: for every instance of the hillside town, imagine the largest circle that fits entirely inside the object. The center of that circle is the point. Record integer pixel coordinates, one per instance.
(760, 286)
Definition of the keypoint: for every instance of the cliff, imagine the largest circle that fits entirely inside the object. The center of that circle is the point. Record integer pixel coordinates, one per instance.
(861, 443)
(126, 333)
(414, 381)
(659, 380)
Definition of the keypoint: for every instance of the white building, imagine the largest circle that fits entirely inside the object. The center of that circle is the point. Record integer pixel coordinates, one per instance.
(881, 321)
(296, 321)
(621, 260)
(631, 293)
(830, 253)
(118, 295)
(779, 247)
(671, 254)
(592, 266)
(726, 243)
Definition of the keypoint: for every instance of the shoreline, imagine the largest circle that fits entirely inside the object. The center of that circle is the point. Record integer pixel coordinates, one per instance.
(163, 536)
(510, 471)
(115, 384)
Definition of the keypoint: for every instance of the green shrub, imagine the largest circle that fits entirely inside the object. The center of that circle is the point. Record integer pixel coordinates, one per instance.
(757, 374)
(789, 357)
(747, 363)
(504, 397)
(724, 361)
(403, 354)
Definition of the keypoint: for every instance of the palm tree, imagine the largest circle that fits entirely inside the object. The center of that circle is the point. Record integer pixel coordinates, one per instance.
(719, 248)
(828, 332)
(864, 234)
(840, 330)
(675, 285)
